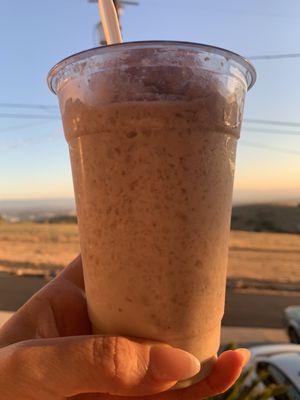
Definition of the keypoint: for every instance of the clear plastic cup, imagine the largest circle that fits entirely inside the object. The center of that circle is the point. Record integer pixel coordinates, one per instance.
(152, 129)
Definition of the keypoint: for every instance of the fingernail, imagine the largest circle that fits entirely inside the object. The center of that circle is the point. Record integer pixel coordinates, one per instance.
(245, 354)
(172, 364)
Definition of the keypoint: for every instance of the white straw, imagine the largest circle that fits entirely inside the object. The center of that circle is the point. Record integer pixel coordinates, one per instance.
(110, 21)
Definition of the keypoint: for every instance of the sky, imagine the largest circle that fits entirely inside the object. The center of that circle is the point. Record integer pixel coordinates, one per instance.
(35, 34)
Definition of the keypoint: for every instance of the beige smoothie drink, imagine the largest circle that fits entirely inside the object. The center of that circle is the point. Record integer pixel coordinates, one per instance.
(152, 130)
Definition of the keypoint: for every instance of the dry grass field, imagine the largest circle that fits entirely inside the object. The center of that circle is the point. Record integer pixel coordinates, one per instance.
(265, 256)
(29, 247)
(25, 247)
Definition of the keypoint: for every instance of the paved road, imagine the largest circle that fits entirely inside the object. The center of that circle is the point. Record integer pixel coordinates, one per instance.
(242, 309)
(14, 291)
(256, 310)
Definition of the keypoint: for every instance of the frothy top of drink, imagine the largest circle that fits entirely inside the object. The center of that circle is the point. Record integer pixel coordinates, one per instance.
(210, 81)
(150, 53)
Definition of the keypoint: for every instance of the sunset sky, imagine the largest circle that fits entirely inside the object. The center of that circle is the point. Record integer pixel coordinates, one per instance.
(35, 34)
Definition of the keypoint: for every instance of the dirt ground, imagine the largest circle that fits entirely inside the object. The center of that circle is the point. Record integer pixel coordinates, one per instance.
(28, 247)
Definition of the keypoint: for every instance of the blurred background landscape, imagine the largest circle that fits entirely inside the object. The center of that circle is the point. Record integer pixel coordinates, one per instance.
(41, 237)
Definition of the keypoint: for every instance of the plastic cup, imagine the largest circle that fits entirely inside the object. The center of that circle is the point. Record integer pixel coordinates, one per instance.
(152, 129)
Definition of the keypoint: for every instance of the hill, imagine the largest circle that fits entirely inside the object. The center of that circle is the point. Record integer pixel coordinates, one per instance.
(34, 210)
(272, 217)
(281, 218)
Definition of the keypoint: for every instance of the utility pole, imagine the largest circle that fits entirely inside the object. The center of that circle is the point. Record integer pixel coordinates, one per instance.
(120, 5)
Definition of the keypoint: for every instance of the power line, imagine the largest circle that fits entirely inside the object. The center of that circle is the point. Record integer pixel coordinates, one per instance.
(53, 107)
(29, 106)
(52, 116)
(267, 147)
(255, 121)
(31, 140)
(248, 12)
(25, 126)
(42, 138)
(271, 122)
(274, 56)
(28, 116)
(272, 131)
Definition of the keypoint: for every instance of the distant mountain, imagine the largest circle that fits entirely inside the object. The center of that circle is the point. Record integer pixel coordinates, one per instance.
(273, 217)
(277, 217)
(58, 219)
(20, 210)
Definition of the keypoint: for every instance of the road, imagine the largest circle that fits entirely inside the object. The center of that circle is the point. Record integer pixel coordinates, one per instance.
(256, 310)
(15, 291)
(242, 309)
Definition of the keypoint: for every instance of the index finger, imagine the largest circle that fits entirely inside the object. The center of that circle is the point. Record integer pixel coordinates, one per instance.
(73, 272)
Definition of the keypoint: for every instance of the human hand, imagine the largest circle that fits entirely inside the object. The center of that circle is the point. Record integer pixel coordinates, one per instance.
(47, 351)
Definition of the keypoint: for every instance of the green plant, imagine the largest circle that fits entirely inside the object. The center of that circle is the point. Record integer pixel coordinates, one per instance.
(244, 391)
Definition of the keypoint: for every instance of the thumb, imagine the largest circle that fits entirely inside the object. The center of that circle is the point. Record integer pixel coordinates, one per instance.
(101, 364)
